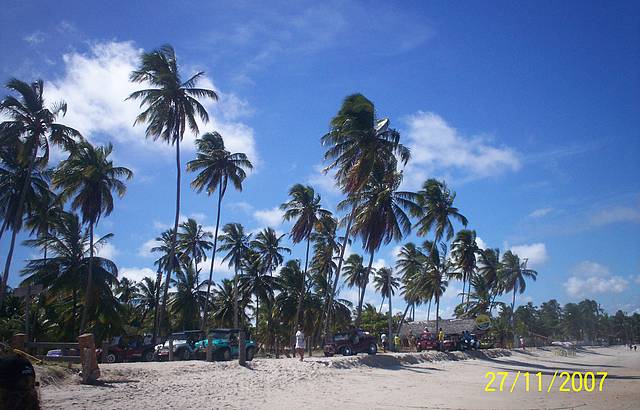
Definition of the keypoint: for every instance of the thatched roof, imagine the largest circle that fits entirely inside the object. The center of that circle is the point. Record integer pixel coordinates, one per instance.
(447, 325)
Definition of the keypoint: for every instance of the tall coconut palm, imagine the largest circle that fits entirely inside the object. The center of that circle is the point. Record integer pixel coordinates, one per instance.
(66, 269)
(45, 214)
(236, 243)
(354, 272)
(438, 269)
(463, 250)
(386, 284)
(409, 263)
(437, 211)
(357, 144)
(216, 167)
(148, 295)
(188, 298)
(381, 216)
(269, 251)
(516, 275)
(304, 207)
(193, 240)
(490, 268)
(32, 127)
(256, 280)
(170, 107)
(90, 177)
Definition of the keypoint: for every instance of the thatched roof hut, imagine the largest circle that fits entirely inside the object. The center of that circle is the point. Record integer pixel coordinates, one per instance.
(449, 326)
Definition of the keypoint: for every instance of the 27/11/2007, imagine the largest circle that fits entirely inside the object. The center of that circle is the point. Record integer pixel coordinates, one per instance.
(569, 382)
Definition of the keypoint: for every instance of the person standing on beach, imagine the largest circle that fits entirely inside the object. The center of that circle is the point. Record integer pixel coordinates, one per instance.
(300, 344)
(383, 339)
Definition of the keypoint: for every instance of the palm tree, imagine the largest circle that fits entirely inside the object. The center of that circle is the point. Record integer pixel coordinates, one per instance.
(171, 105)
(236, 242)
(304, 206)
(193, 240)
(127, 291)
(44, 215)
(437, 210)
(148, 296)
(88, 175)
(268, 249)
(217, 167)
(490, 268)
(380, 216)
(31, 126)
(354, 272)
(434, 281)
(66, 269)
(187, 298)
(410, 261)
(479, 301)
(357, 144)
(255, 280)
(386, 284)
(463, 250)
(516, 274)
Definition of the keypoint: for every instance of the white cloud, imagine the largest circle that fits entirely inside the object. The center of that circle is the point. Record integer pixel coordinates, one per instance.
(324, 182)
(591, 278)
(539, 213)
(616, 214)
(436, 147)
(107, 250)
(36, 37)
(379, 263)
(145, 248)
(481, 244)
(636, 279)
(95, 109)
(136, 274)
(579, 287)
(269, 217)
(536, 253)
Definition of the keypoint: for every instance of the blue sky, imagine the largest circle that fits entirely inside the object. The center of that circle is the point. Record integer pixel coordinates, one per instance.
(530, 111)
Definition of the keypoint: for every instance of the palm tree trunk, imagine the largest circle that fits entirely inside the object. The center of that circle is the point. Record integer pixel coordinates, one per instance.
(87, 302)
(464, 287)
(513, 316)
(213, 258)
(235, 298)
(303, 290)
(157, 304)
(381, 303)
(257, 311)
(364, 288)
(17, 223)
(325, 327)
(437, 314)
(406, 309)
(469, 292)
(4, 225)
(74, 309)
(389, 313)
(172, 252)
(429, 310)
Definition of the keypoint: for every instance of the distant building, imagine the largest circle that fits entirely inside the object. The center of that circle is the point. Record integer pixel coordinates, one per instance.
(449, 326)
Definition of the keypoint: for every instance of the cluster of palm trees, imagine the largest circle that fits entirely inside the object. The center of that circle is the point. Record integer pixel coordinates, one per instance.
(63, 206)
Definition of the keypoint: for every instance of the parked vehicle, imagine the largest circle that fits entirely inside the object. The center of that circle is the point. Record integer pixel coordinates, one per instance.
(450, 342)
(183, 345)
(351, 342)
(225, 345)
(126, 349)
(468, 342)
(426, 341)
(63, 352)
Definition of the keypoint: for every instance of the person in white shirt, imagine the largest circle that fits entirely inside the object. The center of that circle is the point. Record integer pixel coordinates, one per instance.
(300, 345)
(383, 338)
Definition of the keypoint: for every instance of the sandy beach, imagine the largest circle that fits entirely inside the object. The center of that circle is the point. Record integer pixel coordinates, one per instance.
(428, 380)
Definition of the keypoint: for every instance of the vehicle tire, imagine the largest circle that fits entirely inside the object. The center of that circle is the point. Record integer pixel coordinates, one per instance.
(418, 349)
(225, 355)
(373, 348)
(147, 356)
(250, 353)
(184, 354)
(346, 351)
(111, 358)
(326, 354)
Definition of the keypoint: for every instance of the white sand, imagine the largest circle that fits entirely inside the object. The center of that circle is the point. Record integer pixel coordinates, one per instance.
(431, 380)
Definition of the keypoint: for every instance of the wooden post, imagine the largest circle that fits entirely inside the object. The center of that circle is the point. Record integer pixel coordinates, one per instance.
(19, 341)
(209, 349)
(242, 352)
(90, 369)
(277, 349)
(309, 347)
(170, 348)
